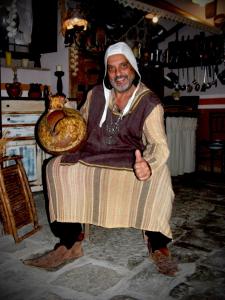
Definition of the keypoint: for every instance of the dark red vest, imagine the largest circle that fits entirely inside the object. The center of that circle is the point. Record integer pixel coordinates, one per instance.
(121, 153)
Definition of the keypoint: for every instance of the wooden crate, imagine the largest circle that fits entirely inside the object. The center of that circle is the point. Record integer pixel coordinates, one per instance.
(17, 208)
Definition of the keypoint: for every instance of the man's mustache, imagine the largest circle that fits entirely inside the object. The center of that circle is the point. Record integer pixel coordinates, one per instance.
(120, 77)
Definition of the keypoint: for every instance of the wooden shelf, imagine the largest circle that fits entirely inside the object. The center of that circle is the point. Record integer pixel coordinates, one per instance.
(28, 68)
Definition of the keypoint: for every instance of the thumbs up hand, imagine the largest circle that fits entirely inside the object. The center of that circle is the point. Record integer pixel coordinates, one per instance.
(142, 169)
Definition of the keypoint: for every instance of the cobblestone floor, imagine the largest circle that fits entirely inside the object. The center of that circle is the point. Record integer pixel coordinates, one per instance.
(116, 265)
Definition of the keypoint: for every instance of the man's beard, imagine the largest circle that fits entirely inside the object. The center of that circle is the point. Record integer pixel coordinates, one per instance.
(124, 87)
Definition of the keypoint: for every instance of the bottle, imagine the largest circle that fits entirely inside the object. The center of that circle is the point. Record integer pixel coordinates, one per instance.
(45, 92)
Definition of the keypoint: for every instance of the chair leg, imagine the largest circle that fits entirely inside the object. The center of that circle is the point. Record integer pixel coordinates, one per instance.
(86, 231)
(211, 161)
(223, 162)
(144, 236)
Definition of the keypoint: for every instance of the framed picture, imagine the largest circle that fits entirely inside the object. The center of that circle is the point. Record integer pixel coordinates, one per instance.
(15, 27)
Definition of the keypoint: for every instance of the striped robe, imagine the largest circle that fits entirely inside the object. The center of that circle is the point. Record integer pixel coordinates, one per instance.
(114, 197)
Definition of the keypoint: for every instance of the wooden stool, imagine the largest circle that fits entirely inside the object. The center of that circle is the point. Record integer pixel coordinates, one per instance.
(17, 207)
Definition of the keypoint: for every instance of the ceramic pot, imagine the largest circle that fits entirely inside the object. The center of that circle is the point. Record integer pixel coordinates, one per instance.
(14, 89)
(35, 91)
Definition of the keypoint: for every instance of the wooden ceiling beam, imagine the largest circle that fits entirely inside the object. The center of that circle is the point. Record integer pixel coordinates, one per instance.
(162, 4)
(169, 32)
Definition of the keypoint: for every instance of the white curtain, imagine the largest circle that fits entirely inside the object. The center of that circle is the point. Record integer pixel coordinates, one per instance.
(181, 134)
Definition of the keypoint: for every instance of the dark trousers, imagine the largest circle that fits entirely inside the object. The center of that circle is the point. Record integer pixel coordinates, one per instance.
(69, 233)
(157, 240)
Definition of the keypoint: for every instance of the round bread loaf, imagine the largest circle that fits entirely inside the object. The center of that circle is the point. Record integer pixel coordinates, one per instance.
(61, 130)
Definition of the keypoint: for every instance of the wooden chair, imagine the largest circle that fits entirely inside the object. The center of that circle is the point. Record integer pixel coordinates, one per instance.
(17, 208)
(217, 139)
(213, 149)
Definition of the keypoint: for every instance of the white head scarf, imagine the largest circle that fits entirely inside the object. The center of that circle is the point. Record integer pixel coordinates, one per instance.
(124, 49)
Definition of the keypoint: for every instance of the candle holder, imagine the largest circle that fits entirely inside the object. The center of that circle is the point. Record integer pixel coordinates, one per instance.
(59, 75)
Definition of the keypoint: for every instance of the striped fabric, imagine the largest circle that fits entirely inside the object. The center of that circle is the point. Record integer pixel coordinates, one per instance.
(109, 198)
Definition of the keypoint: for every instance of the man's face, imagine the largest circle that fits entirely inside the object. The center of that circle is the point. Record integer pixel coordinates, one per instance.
(121, 74)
